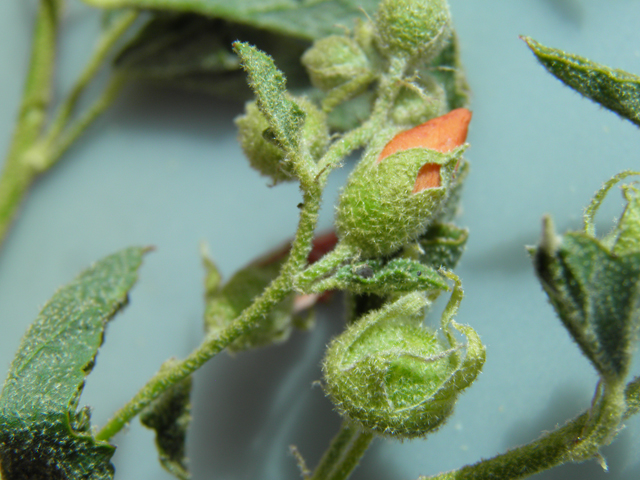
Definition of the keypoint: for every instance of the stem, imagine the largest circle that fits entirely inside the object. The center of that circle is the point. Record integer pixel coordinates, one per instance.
(323, 267)
(213, 345)
(344, 453)
(336, 449)
(16, 175)
(353, 456)
(102, 49)
(73, 132)
(389, 87)
(571, 442)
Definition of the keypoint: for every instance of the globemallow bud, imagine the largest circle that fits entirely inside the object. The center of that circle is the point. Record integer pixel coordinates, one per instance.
(393, 376)
(263, 152)
(397, 189)
(335, 60)
(414, 27)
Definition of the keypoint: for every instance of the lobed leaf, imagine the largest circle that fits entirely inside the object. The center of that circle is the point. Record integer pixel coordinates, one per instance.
(42, 434)
(617, 90)
(308, 19)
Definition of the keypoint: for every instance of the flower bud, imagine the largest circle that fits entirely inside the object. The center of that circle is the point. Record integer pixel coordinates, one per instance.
(395, 377)
(335, 60)
(396, 190)
(264, 154)
(414, 27)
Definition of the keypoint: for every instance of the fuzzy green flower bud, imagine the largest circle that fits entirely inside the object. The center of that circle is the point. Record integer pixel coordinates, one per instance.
(395, 377)
(335, 60)
(262, 150)
(395, 191)
(414, 27)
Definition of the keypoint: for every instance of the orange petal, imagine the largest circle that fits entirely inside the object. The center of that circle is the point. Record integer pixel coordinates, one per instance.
(442, 134)
(428, 177)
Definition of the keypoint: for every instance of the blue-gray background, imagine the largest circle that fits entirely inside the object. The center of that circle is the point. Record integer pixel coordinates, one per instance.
(162, 167)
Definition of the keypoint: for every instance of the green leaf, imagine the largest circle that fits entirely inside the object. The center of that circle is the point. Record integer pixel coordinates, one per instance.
(399, 275)
(306, 19)
(596, 295)
(169, 415)
(42, 433)
(194, 52)
(284, 115)
(225, 304)
(614, 89)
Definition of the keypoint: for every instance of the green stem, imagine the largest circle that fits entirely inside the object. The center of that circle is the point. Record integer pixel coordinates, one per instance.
(16, 175)
(352, 457)
(344, 453)
(323, 267)
(388, 89)
(334, 453)
(100, 53)
(77, 128)
(213, 345)
(577, 440)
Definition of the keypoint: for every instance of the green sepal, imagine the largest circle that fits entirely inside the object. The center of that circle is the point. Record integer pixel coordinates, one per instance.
(627, 232)
(441, 245)
(169, 415)
(451, 207)
(448, 69)
(43, 435)
(284, 115)
(237, 294)
(596, 295)
(399, 275)
(617, 90)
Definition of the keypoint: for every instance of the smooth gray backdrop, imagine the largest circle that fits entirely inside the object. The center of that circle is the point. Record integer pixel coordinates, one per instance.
(162, 167)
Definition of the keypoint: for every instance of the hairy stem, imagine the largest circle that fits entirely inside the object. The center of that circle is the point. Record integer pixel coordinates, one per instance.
(249, 318)
(16, 175)
(567, 443)
(336, 450)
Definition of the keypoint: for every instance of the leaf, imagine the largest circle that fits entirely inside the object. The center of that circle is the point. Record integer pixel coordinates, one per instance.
(399, 275)
(194, 52)
(305, 19)
(597, 297)
(169, 415)
(443, 244)
(614, 89)
(42, 434)
(225, 304)
(284, 115)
